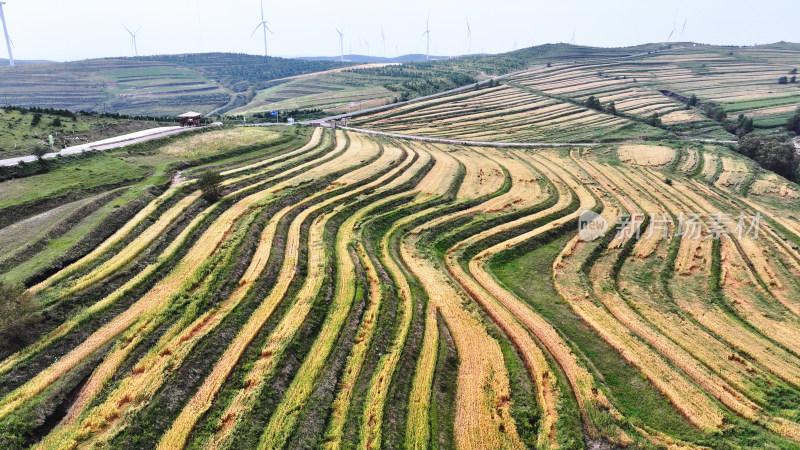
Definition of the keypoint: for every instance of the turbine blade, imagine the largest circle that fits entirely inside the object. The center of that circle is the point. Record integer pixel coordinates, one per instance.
(262, 10)
(137, 30)
(257, 27)
(270, 31)
(126, 29)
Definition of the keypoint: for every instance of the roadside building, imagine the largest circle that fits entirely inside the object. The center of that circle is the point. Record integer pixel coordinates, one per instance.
(190, 119)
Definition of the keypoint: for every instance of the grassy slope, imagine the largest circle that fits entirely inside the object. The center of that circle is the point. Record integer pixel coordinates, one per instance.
(18, 136)
(135, 171)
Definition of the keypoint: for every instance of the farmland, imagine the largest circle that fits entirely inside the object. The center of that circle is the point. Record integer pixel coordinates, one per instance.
(552, 103)
(350, 290)
(337, 287)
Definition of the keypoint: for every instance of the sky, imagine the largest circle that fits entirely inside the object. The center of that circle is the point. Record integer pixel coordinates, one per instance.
(62, 30)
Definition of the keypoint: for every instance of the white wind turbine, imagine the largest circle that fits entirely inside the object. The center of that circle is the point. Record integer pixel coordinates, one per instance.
(263, 24)
(341, 43)
(133, 39)
(365, 42)
(5, 32)
(383, 42)
(427, 33)
(469, 38)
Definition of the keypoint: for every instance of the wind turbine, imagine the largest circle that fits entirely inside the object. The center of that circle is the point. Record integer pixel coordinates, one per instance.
(674, 24)
(5, 32)
(383, 42)
(133, 39)
(427, 33)
(469, 38)
(366, 42)
(341, 43)
(263, 24)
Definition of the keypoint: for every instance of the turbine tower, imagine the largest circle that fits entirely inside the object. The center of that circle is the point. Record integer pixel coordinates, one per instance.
(683, 28)
(263, 24)
(674, 25)
(341, 43)
(571, 41)
(5, 32)
(427, 33)
(469, 38)
(133, 39)
(383, 42)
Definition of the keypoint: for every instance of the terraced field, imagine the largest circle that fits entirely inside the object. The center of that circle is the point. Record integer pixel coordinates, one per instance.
(355, 291)
(548, 104)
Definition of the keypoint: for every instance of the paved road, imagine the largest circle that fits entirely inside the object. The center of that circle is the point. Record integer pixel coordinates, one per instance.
(105, 144)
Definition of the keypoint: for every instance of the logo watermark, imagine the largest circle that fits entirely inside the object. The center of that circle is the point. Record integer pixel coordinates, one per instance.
(591, 226)
(687, 225)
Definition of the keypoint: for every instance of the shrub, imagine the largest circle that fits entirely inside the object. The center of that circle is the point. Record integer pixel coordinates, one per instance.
(39, 151)
(209, 183)
(36, 119)
(783, 80)
(17, 308)
(692, 100)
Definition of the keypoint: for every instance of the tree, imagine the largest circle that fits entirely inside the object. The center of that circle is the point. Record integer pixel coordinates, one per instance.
(793, 71)
(654, 120)
(715, 112)
(36, 119)
(39, 151)
(793, 123)
(783, 80)
(793, 79)
(692, 100)
(744, 125)
(209, 183)
(17, 308)
(611, 108)
(56, 122)
(593, 103)
(771, 153)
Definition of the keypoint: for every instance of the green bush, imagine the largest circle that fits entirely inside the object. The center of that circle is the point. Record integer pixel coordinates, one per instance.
(209, 183)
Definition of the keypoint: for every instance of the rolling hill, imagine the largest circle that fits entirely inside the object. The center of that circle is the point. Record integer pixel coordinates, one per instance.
(575, 255)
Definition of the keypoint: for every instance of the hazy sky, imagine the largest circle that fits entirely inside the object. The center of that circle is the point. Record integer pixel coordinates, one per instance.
(77, 29)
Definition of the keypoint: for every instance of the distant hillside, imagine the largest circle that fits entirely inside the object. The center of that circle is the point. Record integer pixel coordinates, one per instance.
(333, 93)
(4, 61)
(414, 57)
(153, 85)
(220, 83)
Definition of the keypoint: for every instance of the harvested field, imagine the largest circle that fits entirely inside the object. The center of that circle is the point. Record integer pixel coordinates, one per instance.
(356, 290)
